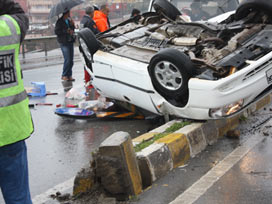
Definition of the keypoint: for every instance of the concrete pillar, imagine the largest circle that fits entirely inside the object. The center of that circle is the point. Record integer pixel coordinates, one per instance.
(117, 168)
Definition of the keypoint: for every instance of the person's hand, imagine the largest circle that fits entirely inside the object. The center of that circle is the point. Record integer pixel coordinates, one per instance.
(70, 31)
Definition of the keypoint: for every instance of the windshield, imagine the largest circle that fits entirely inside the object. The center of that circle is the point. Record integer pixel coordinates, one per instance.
(204, 9)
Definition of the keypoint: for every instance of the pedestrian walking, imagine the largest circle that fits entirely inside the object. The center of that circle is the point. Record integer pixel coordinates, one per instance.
(101, 18)
(65, 29)
(15, 118)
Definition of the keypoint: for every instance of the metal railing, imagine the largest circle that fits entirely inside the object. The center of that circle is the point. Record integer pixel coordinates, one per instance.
(41, 43)
(42, 51)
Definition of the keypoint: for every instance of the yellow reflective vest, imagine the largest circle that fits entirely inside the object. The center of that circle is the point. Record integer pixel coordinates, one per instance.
(15, 118)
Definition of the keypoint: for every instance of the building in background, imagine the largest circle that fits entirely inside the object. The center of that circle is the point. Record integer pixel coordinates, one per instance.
(39, 10)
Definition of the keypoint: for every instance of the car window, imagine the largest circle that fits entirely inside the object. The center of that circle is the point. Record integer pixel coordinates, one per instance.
(204, 9)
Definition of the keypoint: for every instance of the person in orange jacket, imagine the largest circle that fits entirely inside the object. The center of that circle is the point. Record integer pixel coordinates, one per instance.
(101, 18)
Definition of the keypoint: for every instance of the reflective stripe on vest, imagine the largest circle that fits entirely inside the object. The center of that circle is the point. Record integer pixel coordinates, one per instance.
(14, 38)
(12, 100)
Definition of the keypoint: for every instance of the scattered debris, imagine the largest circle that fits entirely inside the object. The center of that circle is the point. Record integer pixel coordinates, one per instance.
(76, 113)
(39, 104)
(74, 94)
(58, 105)
(49, 93)
(31, 105)
(61, 197)
(183, 166)
(38, 89)
(71, 106)
(44, 104)
(265, 133)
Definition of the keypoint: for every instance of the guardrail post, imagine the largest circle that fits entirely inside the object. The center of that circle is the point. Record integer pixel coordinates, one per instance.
(45, 50)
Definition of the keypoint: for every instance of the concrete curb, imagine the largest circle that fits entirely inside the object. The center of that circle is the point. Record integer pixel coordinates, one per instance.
(177, 148)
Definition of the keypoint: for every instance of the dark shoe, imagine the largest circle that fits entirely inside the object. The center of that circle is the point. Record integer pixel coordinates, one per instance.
(64, 78)
(71, 79)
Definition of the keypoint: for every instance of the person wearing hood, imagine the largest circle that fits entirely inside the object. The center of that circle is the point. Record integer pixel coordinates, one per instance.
(101, 18)
(87, 20)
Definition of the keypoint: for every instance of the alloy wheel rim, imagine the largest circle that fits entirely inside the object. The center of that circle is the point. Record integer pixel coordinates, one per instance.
(168, 75)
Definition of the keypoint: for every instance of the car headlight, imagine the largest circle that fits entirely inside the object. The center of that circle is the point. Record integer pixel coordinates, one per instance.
(226, 110)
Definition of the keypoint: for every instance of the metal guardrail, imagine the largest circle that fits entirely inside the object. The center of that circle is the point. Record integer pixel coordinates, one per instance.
(45, 41)
(32, 49)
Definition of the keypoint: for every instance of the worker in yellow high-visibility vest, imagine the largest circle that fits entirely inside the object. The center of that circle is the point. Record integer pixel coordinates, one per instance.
(15, 118)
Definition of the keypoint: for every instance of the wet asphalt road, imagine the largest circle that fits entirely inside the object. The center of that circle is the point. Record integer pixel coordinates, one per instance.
(60, 147)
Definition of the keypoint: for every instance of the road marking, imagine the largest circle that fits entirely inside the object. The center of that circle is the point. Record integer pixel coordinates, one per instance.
(44, 197)
(193, 193)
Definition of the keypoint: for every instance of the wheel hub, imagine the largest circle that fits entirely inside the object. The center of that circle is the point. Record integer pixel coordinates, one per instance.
(168, 75)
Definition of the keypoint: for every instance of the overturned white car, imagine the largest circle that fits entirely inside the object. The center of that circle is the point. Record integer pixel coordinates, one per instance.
(198, 70)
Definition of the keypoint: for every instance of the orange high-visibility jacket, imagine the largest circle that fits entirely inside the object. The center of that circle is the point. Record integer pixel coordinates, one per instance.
(101, 21)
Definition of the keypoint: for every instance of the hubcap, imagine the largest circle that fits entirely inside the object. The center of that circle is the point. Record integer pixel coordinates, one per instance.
(168, 75)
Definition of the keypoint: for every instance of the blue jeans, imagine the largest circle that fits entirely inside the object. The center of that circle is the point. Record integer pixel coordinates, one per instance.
(68, 55)
(14, 174)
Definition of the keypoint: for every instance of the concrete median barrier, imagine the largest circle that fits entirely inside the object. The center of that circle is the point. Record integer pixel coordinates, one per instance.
(141, 169)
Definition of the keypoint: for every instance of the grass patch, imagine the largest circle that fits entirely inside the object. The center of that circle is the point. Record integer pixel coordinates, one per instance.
(171, 129)
(243, 118)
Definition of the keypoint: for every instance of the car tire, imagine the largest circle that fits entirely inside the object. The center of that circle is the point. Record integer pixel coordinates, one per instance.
(247, 6)
(170, 71)
(88, 62)
(87, 36)
(165, 7)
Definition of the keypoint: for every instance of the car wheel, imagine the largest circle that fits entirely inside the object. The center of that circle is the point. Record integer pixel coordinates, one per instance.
(247, 6)
(170, 71)
(88, 42)
(165, 7)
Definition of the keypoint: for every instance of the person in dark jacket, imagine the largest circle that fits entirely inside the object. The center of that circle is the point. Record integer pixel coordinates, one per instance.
(15, 118)
(65, 28)
(87, 20)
